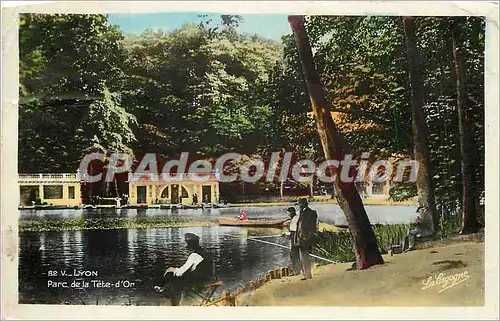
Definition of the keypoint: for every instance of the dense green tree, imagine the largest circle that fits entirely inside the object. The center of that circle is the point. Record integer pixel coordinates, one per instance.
(207, 89)
(65, 62)
(67, 56)
(203, 89)
(425, 191)
(364, 240)
(363, 65)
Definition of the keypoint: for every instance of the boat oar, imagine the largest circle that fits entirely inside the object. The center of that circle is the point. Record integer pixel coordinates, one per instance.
(283, 246)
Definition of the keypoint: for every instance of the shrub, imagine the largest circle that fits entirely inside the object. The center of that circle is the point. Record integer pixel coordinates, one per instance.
(338, 246)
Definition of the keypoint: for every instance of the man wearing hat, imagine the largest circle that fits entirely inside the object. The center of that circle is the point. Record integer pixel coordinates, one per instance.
(196, 272)
(307, 227)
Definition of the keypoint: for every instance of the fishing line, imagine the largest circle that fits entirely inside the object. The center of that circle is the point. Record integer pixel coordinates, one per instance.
(262, 241)
(255, 236)
(280, 245)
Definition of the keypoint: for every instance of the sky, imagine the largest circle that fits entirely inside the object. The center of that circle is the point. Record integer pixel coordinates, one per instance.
(271, 26)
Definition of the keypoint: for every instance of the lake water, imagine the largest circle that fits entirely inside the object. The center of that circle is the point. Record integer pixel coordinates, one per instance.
(330, 213)
(138, 257)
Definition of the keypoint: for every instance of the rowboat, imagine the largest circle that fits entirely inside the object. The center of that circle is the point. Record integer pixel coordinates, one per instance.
(27, 207)
(220, 205)
(191, 207)
(100, 206)
(135, 206)
(228, 221)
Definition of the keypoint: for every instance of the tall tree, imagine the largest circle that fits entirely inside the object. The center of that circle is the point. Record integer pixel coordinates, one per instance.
(365, 242)
(469, 216)
(65, 62)
(363, 66)
(200, 86)
(426, 202)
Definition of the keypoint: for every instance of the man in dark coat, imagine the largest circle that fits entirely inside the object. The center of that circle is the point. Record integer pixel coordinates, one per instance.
(194, 275)
(307, 228)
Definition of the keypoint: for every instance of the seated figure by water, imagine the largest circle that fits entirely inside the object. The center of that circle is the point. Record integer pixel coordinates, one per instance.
(424, 228)
(193, 276)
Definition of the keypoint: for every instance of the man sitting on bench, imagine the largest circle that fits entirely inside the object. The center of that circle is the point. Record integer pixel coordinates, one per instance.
(194, 275)
(424, 227)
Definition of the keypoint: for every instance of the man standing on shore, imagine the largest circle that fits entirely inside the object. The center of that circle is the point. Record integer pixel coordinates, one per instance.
(307, 227)
(294, 247)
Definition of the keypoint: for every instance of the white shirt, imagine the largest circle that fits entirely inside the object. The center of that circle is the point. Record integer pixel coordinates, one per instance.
(293, 223)
(191, 263)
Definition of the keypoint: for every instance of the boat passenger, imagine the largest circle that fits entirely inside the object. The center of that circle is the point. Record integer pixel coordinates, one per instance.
(243, 216)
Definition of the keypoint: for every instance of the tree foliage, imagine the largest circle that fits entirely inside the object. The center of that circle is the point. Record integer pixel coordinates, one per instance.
(207, 89)
(202, 89)
(363, 66)
(69, 65)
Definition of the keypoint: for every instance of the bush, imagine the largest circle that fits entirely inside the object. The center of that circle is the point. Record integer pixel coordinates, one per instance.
(338, 246)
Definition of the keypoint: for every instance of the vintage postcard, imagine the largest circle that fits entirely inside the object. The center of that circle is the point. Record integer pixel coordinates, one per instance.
(224, 160)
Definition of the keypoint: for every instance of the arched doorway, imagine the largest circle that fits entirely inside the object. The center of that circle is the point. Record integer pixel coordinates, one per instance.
(164, 193)
(178, 192)
(184, 194)
(207, 194)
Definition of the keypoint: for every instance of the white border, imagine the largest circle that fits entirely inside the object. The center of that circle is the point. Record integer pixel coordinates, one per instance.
(9, 196)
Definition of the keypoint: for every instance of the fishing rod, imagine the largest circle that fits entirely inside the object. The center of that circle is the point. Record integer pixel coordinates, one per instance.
(283, 246)
(255, 236)
(258, 240)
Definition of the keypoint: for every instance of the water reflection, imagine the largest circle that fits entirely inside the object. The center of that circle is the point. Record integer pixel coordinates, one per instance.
(142, 255)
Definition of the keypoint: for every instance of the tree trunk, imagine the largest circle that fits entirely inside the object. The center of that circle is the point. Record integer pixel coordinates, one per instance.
(365, 242)
(104, 187)
(426, 202)
(282, 182)
(469, 217)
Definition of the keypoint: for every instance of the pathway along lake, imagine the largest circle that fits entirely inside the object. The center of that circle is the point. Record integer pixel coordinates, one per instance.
(137, 258)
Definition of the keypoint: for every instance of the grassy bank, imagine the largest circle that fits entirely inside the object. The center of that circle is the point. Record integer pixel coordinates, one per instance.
(337, 245)
(106, 224)
(323, 200)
